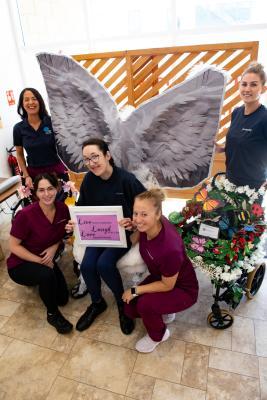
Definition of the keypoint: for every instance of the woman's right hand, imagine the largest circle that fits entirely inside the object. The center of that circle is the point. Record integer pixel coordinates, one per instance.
(69, 227)
(28, 182)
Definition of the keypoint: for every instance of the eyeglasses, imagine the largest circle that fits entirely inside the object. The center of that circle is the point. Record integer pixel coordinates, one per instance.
(94, 159)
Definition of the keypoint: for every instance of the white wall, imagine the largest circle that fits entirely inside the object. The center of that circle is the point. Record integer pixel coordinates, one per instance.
(19, 68)
(11, 78)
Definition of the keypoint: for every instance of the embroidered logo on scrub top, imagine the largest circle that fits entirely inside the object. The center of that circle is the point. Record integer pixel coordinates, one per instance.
(247, 130)
(46, 130)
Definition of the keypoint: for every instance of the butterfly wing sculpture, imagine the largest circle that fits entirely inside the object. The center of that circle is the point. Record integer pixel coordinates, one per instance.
(169, 137)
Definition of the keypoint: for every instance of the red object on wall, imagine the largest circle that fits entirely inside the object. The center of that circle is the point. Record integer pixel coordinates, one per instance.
(10, 97)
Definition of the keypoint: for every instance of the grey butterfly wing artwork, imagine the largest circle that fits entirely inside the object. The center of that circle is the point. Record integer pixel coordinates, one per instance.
(169, 138)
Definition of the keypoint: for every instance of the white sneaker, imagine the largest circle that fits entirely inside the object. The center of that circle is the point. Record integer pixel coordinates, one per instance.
(146, 344)
(168, 318)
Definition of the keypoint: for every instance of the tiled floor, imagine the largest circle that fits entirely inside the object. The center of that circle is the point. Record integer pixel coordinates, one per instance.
(197, 362)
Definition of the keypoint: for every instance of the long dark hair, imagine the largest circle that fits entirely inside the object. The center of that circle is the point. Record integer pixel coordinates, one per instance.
(51, 178)
(103, 147)
(42, 109)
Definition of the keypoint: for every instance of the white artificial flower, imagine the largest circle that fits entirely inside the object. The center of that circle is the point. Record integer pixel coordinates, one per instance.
(261, 191)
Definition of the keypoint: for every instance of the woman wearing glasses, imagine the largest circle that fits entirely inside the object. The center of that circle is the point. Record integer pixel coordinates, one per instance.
(36, 235)
(105, 185)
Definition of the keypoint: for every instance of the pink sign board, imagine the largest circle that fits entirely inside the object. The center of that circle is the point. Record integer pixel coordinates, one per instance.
(98, 227)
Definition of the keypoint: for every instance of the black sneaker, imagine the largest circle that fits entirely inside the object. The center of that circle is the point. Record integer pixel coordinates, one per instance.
(127, 324)
(61, 324)
(90, 315)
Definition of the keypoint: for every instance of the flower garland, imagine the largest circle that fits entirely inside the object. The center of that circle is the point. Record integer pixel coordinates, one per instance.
(233, 218)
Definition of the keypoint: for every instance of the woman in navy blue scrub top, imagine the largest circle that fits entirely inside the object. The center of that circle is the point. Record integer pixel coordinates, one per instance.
(246, 140)
(35, 135)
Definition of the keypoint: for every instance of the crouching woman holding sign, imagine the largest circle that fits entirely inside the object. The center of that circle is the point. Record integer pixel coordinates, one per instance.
(104, 185)
(172, 285)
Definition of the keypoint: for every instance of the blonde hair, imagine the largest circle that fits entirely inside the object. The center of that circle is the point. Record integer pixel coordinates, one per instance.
(156, 195)
(255, 68)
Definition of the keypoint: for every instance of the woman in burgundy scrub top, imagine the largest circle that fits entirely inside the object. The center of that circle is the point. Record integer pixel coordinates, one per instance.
(172, 285)
(35, 237)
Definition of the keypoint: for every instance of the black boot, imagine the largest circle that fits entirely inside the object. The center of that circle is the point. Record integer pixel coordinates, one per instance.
(90, 315)
(61, 324)
(126, 323)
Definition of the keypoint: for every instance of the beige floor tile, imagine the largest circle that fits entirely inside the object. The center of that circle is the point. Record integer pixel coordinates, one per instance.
(7, 308)
(100, 364)
(243, 335)
(3, 320)
(165, 362)
(4, 342)
(3, 273)
(140, 387)
(112, 334)
(255, 308)
(261, 337)
(66, 389)
(197, 359)
(28, 371)
(172, 391)
(228, 386)
(202, 335)
(263, 366)
(230, 361)
(263, 387)
(197, 314)
(21, 294)
(62, 389)
(29, 323)
(64, 343)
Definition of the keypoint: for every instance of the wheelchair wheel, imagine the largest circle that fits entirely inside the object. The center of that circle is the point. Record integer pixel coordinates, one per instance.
(254, 281)
(222, 321)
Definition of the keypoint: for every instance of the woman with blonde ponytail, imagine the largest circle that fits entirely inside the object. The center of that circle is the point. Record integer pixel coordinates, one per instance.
(246, 140)
(172, 285)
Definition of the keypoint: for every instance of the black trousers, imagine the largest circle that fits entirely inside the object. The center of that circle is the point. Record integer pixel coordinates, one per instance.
(53, 289)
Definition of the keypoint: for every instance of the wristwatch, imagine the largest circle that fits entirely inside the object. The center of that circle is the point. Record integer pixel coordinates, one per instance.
(133, 291)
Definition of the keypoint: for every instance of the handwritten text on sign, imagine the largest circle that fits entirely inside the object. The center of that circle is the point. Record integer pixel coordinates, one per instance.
(98, 227)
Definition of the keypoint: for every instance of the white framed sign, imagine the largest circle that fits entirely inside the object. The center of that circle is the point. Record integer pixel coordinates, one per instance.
(98, 226)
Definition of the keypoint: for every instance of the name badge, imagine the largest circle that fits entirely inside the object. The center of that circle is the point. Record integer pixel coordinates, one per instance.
(209, 231)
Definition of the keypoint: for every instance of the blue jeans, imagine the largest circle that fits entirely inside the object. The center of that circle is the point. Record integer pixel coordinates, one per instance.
(100, 262)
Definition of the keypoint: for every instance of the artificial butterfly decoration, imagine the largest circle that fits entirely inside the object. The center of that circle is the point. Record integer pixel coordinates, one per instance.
(209, 204)
(225, 225)
(198, 244)
(249, 228)
(243, 216)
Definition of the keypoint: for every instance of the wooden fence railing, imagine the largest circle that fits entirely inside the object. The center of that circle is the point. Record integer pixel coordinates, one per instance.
(133, 76)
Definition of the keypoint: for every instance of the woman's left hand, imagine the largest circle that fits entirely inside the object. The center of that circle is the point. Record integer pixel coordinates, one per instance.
(127, 224)
(48, 254)
(127, 296)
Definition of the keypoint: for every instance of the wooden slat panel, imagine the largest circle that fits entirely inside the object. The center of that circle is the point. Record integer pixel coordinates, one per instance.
(140, 63)
(168, 77)
(115, 76)
(98, 66)
(109, 69)
(145, 72)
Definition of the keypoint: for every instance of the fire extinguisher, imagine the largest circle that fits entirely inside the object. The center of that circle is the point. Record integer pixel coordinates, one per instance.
(12, 161)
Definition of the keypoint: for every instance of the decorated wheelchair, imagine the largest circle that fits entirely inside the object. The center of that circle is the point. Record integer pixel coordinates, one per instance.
(222, 228)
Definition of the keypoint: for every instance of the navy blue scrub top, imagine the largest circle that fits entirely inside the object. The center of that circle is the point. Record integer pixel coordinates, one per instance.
(40, 145)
